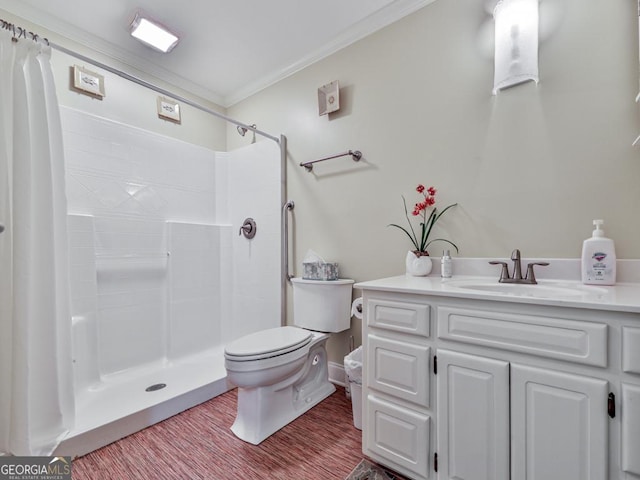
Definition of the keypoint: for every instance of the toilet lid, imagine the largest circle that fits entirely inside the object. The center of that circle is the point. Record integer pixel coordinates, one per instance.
(268, 343)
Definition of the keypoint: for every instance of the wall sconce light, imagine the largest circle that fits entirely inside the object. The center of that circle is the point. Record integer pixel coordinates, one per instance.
(516, 43)
(153, 34)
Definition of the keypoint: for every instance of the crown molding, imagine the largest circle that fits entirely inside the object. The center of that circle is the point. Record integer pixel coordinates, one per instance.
(374, 22)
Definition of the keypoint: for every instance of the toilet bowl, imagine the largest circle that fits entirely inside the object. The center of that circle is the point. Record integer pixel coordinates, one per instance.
(282, 372)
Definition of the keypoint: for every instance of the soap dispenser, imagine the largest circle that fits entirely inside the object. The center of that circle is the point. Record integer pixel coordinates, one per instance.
(598, 258)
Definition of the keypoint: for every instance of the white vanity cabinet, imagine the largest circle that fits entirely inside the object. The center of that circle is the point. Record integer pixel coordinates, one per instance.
(483, 389)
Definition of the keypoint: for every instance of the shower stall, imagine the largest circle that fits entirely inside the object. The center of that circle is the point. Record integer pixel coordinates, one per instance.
(125, 270)
(161, 275)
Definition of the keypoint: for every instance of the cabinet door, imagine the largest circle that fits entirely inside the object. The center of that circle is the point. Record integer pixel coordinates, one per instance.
(472, 417)
(631, 428)
(559, 425)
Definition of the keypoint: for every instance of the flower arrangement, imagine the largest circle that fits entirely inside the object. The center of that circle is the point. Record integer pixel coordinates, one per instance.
(422, 241)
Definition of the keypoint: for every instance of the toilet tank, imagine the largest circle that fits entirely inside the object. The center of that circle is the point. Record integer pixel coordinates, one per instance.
(322, 305)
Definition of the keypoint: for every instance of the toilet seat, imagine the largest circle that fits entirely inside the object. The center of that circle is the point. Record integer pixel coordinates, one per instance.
(267, 344)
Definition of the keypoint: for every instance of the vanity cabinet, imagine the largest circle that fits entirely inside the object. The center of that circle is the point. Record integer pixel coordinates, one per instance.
(456, 388)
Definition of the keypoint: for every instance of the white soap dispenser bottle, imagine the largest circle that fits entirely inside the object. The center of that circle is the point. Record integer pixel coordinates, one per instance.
(598, 258)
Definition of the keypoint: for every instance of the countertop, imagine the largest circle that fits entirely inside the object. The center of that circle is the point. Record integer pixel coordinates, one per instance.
(623, 297)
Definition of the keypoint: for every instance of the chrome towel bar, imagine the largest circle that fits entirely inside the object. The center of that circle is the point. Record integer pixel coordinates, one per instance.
(356, 155)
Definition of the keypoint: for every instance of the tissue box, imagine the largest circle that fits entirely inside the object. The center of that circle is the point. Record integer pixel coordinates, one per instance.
(319, 271)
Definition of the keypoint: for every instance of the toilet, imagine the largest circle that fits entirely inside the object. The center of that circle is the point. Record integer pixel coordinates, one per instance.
(282, 372)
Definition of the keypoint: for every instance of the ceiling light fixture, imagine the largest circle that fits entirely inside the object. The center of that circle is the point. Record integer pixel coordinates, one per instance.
(153, 34)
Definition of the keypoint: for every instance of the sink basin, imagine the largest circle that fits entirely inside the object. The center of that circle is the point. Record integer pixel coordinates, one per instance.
(541, 290)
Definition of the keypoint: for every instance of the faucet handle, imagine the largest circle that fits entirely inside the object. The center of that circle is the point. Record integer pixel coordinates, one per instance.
(504, 273)
(531, 277)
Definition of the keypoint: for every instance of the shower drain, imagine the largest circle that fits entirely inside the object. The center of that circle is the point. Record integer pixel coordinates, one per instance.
(157, 386)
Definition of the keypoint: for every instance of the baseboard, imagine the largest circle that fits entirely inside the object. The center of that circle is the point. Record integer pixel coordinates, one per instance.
(336, 374)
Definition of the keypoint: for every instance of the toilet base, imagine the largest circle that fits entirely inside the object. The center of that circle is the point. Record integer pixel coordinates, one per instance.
(263, 411)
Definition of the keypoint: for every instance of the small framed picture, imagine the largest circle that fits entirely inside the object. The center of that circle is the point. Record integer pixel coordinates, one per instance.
(87, 82)
(169, 109)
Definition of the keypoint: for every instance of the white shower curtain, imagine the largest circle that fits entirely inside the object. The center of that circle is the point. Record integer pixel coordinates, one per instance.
(36, 391)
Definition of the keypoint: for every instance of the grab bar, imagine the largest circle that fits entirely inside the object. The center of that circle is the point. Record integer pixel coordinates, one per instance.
(356, 155)
(287, 207)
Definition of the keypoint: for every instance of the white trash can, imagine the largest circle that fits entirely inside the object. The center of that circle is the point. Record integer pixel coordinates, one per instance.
(353, 370)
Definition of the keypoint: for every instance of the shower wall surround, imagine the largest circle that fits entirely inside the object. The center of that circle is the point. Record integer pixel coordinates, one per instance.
(159, 272)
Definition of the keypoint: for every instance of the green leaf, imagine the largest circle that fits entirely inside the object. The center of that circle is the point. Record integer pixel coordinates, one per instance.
(405, 231)
(444, 240)
(413, 237)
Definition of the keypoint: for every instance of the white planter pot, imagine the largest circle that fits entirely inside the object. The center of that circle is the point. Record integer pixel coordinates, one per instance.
(418, 266)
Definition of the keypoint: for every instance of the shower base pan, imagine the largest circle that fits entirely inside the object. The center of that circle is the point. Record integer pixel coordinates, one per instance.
(128, 402)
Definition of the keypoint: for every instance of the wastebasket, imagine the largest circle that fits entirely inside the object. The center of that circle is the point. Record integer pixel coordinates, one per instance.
(353, 369)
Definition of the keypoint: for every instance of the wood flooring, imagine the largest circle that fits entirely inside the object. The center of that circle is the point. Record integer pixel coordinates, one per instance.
(322, 444)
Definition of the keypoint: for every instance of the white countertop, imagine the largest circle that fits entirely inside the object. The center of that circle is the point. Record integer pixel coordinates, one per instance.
(623, 297)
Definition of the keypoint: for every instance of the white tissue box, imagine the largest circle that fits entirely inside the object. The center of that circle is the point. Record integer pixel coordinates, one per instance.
(319, 271)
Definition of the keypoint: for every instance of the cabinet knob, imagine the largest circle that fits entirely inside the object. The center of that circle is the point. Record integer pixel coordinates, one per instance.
(611, 405)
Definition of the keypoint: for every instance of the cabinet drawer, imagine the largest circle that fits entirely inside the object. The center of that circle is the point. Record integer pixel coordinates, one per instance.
(561, 338)
(404, 317)
(398, 435)
(398, 368)
(631, 349)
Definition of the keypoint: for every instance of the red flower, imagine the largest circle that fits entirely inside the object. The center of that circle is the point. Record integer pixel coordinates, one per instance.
(420, 188)
(431, 191)
(428, 201)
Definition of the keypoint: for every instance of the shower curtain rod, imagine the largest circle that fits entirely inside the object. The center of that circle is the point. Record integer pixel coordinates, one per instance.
(18, 32)
(155, 88)
(22, 32)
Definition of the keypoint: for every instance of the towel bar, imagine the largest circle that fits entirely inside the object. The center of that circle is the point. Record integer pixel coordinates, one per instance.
(356, 155)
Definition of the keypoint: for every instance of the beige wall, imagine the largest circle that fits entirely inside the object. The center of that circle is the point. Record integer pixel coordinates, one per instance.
(125, 101)
(530, 168)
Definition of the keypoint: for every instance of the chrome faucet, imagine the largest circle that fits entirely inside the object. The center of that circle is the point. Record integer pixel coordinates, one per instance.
(530, 277)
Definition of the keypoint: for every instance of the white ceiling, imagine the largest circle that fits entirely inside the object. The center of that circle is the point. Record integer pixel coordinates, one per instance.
(228, 49)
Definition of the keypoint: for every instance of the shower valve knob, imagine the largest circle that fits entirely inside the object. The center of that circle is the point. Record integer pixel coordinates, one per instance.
(248, 228)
